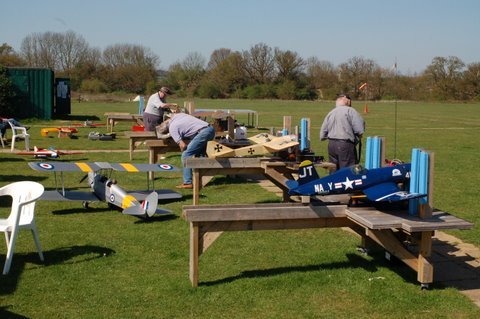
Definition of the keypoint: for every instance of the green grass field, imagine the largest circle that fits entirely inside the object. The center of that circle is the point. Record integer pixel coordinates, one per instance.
(102, 264)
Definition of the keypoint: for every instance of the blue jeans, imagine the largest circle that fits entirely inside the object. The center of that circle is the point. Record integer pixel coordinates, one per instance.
(197, 147)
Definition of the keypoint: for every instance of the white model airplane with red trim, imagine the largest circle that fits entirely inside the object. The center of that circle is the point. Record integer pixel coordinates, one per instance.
(48, 152)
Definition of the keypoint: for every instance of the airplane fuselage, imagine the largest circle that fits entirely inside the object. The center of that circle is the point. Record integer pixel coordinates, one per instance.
(349, 180)
(107, 190)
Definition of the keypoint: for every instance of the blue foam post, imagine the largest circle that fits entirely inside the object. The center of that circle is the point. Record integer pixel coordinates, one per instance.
(414, 183)
(303, 134)
(423, 177)
(379, 152)
(368, 153)
(376, 152)
(140, 105)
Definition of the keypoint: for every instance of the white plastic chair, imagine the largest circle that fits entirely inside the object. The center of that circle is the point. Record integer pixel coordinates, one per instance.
(19, 132)
(1, 140)
(24, 195)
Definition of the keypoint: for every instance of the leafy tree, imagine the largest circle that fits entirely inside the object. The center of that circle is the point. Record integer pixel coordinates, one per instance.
(128, 67)
(259, 63)
(445, 75)
(8, 57)
(354, 73)
(185, 76)
(289, 65)
(217, 57)
(287, 90)
(471, 78)
(322, 76)
(7, 94)
(227, 74)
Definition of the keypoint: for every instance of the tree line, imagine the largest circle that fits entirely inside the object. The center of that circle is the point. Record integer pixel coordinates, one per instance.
(258, 72)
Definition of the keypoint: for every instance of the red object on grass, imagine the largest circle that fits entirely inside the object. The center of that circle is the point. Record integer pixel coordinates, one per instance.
(138, 128)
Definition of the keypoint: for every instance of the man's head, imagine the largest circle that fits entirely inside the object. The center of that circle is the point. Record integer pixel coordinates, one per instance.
(344, 99)
(165, 90)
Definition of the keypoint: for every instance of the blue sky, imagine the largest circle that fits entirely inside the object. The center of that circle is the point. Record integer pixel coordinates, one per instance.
(412, 32)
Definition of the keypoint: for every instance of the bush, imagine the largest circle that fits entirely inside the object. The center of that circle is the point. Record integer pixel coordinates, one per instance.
(7, 94)
(259, 91)
(209, 91)
(93, 86)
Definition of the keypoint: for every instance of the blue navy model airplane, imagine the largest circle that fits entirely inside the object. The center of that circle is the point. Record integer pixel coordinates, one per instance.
(385, 184)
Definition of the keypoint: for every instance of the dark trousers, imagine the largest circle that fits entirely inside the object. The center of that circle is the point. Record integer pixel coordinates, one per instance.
(150, 121)
(341, 153)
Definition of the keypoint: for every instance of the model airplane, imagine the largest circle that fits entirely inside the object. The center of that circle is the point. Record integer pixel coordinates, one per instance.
(62, 131)
(264, 144)
(379, 184)
(138, 203)
(47, 152)
(88, 123)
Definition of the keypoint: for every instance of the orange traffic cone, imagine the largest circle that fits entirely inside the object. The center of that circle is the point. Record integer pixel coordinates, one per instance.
(365, 110)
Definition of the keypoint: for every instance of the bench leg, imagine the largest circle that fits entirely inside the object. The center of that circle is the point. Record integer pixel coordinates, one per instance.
(151, 160)
(131, 147)
(197, 185)
(425, 268)
(194, 253)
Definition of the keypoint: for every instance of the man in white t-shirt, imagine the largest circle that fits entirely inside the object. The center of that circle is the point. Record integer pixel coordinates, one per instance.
(157, 102)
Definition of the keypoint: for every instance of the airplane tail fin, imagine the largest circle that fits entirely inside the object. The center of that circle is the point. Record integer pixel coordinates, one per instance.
(306, 174)
(150, 204)
(147, 208)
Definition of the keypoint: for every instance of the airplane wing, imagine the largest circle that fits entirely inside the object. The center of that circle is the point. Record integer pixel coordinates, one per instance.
(64, 167)
(93, 167)
(69, 196)
(281, 143)
(215, 149)
(389, 192)
(133, 167)
(262, 138)
(30, 153)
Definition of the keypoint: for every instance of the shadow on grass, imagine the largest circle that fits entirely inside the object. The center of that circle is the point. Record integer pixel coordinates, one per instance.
(62, 255)
(354, 261)
(83, 118)
(155, 218)
(81, 210)
(4, 313)
(11, 159)
(17, 178)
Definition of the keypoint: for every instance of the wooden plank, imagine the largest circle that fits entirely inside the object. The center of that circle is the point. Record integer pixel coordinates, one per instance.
(376, 219)
(225, 162)
(140, 134)
(261, 212)
(275, 224)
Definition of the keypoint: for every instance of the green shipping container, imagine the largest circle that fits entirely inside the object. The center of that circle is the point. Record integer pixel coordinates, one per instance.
(34, 89)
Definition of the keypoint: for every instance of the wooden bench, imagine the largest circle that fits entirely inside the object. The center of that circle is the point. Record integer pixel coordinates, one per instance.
(277, 171)
(157, 149)
(207, 222)
(138, 136)
(114, 117)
